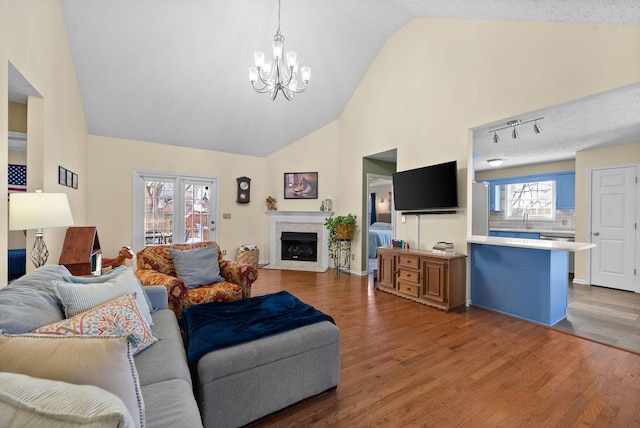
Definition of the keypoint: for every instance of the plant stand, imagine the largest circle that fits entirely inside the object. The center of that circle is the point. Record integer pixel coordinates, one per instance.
(343, 255)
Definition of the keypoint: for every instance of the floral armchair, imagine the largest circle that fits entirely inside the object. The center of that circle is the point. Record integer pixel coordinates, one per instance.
(155, 266)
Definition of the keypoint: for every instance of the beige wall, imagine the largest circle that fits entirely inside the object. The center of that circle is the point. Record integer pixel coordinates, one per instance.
(16, 238)
(587, 160)
(112, 162)
(56, 123)
(17, 117)
(436, 78)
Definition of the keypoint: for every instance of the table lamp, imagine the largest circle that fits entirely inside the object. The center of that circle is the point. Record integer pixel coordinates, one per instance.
(39, 211)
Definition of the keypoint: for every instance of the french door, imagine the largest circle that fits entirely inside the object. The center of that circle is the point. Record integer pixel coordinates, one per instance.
(171, 208)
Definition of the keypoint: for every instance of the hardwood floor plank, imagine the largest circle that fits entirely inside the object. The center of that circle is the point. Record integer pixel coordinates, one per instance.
(405, 364)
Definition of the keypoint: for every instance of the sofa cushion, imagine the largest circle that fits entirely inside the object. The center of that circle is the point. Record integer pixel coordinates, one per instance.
(166, 359)
(30, 301)
(171, 404)
(27, 401)
(198, 266)
(80, 297)
(119, 317)
(105, 362)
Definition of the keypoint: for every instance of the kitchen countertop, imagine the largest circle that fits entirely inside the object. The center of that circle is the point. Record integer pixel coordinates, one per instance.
(552, 232)
(536, 244)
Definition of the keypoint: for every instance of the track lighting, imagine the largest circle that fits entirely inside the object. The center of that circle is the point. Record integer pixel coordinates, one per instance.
(513, 124)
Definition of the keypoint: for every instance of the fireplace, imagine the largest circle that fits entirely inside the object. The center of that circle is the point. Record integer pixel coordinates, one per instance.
(298, 222)
(300, 246)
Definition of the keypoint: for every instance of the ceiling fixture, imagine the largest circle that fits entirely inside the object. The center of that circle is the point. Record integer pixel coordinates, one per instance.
(276, 75)
(495, 162)
(514, 124)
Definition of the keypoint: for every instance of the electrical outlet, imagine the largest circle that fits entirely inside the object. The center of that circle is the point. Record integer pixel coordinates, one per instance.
(404, 219)
(226, 216)
(353, 256)
(224, 252)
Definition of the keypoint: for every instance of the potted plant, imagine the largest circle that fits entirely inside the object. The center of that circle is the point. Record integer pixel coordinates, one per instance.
(340, 229)
(271, 203)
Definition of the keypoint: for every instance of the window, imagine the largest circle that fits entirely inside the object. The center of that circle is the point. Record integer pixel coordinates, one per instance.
(536, 199)
(171, 208)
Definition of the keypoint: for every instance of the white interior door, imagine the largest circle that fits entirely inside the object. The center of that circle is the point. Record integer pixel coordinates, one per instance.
(613, 228)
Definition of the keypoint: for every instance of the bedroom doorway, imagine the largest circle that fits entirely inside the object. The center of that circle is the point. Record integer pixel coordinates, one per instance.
(377, 203)
(380, 216)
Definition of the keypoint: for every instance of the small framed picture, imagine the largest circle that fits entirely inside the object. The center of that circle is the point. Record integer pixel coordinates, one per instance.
(74, 181)
(301, 185)
(62, 176)
(69, 178)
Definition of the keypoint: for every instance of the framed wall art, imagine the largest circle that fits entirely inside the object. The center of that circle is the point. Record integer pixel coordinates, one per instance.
(301, 185)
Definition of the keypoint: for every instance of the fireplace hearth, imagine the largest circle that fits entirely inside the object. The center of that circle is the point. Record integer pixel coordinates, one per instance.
(299, 246)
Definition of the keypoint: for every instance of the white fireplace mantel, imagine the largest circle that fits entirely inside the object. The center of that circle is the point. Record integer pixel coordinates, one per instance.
(314, 221)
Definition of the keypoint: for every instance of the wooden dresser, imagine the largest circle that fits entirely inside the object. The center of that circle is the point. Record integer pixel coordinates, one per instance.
(428, 278)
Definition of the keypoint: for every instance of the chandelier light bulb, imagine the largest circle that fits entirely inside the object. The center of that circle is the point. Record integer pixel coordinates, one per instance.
(253, 74)
(306, 74)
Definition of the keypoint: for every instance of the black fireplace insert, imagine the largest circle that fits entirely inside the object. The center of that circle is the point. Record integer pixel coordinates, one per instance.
(299, 246)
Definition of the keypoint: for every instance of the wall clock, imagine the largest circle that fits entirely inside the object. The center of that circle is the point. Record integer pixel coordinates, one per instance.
(244, 190)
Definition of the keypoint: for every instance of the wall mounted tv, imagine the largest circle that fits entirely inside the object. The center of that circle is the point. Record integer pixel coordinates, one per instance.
(428, 190)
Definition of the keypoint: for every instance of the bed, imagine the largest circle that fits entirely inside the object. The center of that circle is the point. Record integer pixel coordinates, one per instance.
(379, 236)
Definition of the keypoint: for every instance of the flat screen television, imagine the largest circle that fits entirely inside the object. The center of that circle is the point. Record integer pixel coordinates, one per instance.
(430, 189)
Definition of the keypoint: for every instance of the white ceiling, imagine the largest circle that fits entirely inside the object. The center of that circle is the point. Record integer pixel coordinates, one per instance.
(175, 71)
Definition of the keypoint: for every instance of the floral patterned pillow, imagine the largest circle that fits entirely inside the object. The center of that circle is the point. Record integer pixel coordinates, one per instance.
(119, 317)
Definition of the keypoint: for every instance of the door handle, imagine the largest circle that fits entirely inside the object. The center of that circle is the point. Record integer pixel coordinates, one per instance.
(596, 233)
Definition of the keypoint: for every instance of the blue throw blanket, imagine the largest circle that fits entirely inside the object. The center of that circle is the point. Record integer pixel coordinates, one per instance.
(215, 325)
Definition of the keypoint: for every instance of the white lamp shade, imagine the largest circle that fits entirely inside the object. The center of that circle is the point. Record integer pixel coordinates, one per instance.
(306, 73)
(277, 49)
(258, 58)
(292, 59)
(39, 211)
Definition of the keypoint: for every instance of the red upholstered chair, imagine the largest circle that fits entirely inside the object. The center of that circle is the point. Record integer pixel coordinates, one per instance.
(155, 267)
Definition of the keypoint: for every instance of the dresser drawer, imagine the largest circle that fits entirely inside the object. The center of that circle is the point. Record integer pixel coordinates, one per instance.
(409, 275)
(409, 260)
(409, 289)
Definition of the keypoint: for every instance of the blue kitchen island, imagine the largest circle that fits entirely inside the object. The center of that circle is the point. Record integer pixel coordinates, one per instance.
(525, 278)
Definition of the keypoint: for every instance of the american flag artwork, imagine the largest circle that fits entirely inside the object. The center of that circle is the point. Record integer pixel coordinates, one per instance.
(17, 178)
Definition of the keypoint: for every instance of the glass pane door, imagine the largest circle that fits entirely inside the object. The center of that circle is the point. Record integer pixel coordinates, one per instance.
(199, 225)
(158, 212)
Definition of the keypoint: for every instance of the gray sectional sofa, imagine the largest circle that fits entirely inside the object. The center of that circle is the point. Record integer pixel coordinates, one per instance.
(30, 302)
(233, 386)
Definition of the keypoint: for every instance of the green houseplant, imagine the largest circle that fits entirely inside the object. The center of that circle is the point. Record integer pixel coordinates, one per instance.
(341, 229)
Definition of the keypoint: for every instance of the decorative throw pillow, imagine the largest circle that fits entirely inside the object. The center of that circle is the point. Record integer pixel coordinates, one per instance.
(106, 362)
(198, 266)
(78, 298)
(28, 401)
(119, 317)
(107, 276)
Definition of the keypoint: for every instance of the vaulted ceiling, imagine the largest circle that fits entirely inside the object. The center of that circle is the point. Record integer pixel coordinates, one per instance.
(176, 72)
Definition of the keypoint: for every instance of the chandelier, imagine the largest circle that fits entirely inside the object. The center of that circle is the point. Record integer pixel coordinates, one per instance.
(278, 75)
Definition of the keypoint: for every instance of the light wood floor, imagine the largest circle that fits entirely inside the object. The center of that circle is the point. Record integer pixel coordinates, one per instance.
(605, 315)
(404, 364)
